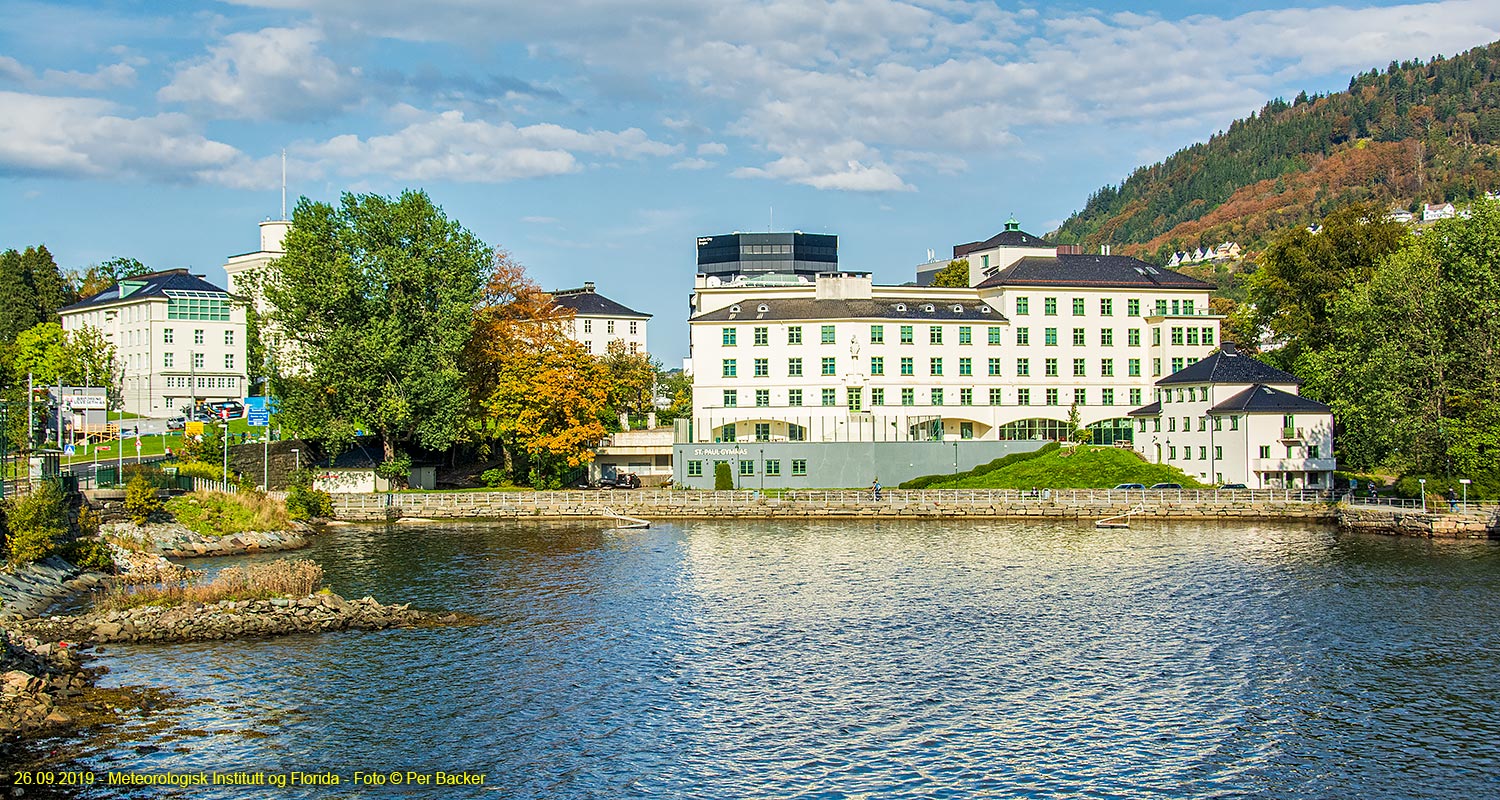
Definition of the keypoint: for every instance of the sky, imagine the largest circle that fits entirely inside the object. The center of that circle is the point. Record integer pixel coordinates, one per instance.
(597, 140)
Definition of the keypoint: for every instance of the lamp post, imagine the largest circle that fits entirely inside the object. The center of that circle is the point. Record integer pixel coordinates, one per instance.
(1423, 483)
(297, 458)
(1465, 483)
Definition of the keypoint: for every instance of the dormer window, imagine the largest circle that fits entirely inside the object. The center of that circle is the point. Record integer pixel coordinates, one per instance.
(762, 308)
(927, 308)
(900, 306)
(734, 309)
(958, 309)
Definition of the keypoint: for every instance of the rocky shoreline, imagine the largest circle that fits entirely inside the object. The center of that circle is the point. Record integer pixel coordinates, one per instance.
(175, 540)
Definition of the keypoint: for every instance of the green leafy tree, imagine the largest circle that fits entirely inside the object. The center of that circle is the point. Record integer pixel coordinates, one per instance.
(377, 297)
(632, 379)
(141, 500)
(49, 354)
(955, 275)
(676, 387)
(38, 523)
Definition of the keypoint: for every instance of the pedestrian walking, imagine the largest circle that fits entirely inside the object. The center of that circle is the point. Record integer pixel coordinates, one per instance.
(875, 488)
(1452, 499)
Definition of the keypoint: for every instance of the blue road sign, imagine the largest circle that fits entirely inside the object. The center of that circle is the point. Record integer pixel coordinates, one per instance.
(68, 451)
(261, 417)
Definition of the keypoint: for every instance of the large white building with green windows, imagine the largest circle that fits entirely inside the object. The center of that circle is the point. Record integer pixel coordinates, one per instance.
(177, 337)
(840, 359)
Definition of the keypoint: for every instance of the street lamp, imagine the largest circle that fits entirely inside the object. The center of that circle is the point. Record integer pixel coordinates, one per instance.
(1423, 483)
(1465, 482)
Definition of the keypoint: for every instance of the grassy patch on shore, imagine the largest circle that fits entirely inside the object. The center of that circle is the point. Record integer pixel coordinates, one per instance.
(279, 578)
(222, 514)
(1079, 467)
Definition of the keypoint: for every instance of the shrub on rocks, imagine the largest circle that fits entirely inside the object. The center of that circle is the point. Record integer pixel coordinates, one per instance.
(305, 502)
(141, 501)
(38, 524)
(222, 514)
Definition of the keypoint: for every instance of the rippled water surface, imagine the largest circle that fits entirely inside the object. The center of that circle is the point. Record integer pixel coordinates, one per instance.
(879, 660)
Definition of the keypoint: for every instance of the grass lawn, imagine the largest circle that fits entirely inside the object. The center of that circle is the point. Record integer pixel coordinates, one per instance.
(1075, 468)
(221, 514)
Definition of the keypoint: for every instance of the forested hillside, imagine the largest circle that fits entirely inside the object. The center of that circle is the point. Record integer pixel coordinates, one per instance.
(1413, 133)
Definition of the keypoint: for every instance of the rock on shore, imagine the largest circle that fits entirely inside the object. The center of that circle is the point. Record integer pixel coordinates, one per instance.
(36, 679)
(28, 590)
(177, 541)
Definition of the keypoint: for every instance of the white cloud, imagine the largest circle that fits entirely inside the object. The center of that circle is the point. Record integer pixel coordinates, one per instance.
(83, 137)
(693, 163)
(107, 77)
(449, 147)
(713, 149)
(273, 73)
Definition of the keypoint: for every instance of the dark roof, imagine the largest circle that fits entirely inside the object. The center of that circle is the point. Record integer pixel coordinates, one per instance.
(1091, 271)
(1229, 365)
(156, 284)
(587, 302)
(1153, 410)
(810, 309)
(1012, 236)
(1266, 399)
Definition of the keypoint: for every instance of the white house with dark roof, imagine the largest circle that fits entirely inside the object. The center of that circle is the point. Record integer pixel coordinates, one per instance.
(598, 320)
(1231, 418)
(991, 255)
(177, 337)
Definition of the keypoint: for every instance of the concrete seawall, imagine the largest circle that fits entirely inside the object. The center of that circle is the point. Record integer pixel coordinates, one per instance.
(948, 503)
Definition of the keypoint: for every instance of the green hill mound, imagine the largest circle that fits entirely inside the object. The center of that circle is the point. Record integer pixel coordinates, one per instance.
(1072, 468)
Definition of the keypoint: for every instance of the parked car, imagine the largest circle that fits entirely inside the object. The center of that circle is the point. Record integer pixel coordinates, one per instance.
(176, 423)
(1131, 486)
(1234, 486)
(1166, 486)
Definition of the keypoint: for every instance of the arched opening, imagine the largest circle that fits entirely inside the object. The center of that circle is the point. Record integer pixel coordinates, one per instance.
(1037, 428)
(1111, 431)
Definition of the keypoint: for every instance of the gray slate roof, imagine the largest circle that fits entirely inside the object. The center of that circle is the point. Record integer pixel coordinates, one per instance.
(588, 303)
(156, 285)
(1261, 398)
(786, 309)
(1152, 410)
(1229, 365)
(1091, 271)
(1016, 238)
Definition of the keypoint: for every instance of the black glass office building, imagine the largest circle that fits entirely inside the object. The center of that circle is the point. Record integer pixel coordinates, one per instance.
(766, 253)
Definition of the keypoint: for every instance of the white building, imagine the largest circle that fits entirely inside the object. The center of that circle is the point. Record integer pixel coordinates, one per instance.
(1232, 419)
(248, 274)
(991, 255)
(598, 320)
(1432, 212)
(177, 337)
(845, 360)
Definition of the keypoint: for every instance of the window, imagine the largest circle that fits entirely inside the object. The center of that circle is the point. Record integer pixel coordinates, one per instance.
(1133, 337)
(762, 398)
(1107, 397)
(935, 334)
(908, 397)
(1234, 423)
(877, 334)
(1156, 425)
(1023, 306)
(1218, 423)
(609, 326)
(198, 361)
(588, 326)
(1106, 307)
(965, 430)
(1155, 367)
(795, 432)
(762, 367)
(935, 366)
(762, 431)
(1023, 337)
(747, 467)
(731, 398)
(906, 335)
(1208, 336)
(877, 365)
(1161, 308)
(1050, 368)
(908, 366)
(633, 329)
(1049, 306)
(827, 334)
(730, 335)
(830, 397)
(1023, 397)
(794, 367)
(731, 368)
(1203, 423)
(1192, 336)
(166, 335)
(1156, 337)
(1265, 451)
(997, 397)
(1171, 424)
(1080, 396)
(695, 469)
(965, 334)
(166, 360)
(1079, 337)
(1171, 453)
(773, 467)
(1107, 367)
(794, 397)
(762, 337)
(1051, 397)
(994, 335)
(1176, 336)
(196, 308)
(1023, 367)
(877, 397)
(1177, 365)
(1049, 337)
(1187, 307)
(229, 361)
(1312, 451)
(799, 466)
(794, 334)
(229, 338)
(1078, 307)
(994, 367)
(937, 397)
(1079, 370)
(1133, 368)
(1107, 337)
(965, 366)
(830, 366)
(1135, 397)
(198, 336)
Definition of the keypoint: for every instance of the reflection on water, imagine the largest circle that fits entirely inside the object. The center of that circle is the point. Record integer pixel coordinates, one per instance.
(966, 659)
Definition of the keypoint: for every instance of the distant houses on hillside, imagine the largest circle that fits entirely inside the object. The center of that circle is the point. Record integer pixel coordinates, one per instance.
(1228, 251)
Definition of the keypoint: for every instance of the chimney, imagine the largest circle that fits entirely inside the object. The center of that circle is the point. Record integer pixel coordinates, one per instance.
(1070, 249)
(588, 286)
(650, 419)
(1228, 349)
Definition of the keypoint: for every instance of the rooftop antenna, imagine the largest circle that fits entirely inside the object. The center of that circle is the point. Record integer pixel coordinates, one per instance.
(283, 183)
(772, 226)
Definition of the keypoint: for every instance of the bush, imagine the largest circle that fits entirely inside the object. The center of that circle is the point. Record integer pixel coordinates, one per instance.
(280, 578)
(202, 469)
(305, 502)
(494, 478)
(140, 500)
(88, 521)
(723, 478)
(38, 524)
(89, 554)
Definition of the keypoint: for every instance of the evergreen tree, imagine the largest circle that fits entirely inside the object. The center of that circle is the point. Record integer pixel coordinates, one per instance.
(18, 303)
(52, 292)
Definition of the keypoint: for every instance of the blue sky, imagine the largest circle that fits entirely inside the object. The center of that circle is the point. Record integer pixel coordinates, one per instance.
(596, 140)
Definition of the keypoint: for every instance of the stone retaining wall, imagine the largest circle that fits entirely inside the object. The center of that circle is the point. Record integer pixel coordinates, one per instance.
(1481, 524)
(230, 619)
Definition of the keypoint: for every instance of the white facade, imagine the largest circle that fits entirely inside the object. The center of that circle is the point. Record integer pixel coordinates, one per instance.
(177, 339)
(846, 360)
(598, 321)
(248, 274)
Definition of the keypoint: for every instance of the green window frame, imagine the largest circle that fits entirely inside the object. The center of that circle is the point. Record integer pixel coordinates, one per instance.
(747, 467)
(1049, 337)
(877, 334)
(731, 368)
(794, 397)
(1208, 336)
(762, 336)
(695, 469)
(1133, 367)
(907, 337)
(762, 367)
(965, 334)
(794, 334)
(794, 367)
(1135, 397)
(997, 397)
(965, 366)
(1023, 337)
(935, 334)
(908, 365)
(830, 366)
(937, 397)
(1080, 337)
(799, 467)
(877, 397)
(773, 467)
(830, 397)
(1051, 397)
(994, 335)
(1078, 310)
(994, 367)
(1106, 367)
(1023, 397)
(731, 398)
(1107, 337)
(762, 398)
(1133, 337)
(908, 396)
(1080, 368)
(1023, 367)
(730, 337)
(1132, 308)
(877, 365)
(1106, 307)
(1023, 306)
(966, 397)
(828, 335)
(935, 366)
(1049, 368)
(1049, 306)
(1107, 397)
